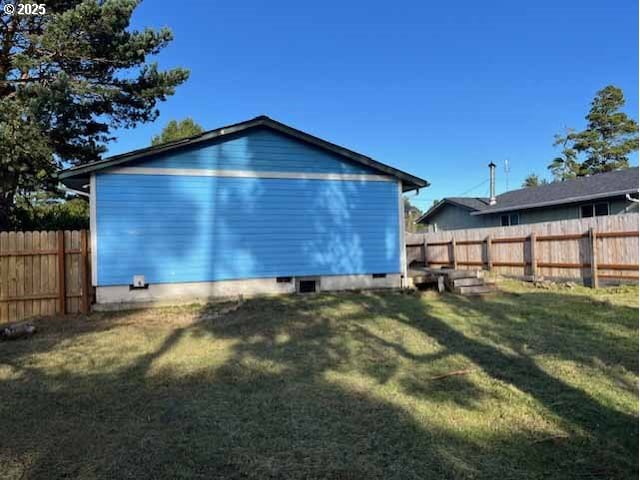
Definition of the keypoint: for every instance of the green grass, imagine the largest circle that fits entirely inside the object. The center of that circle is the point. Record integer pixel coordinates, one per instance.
(331, 386)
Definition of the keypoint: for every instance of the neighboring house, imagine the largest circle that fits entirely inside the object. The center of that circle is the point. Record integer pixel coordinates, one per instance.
(602, 194)
(253, 208)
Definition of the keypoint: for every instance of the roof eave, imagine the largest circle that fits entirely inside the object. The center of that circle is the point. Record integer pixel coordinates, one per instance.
(409, 182)
(159, 149)
(438, 206)
(430, 212)
(551, 203)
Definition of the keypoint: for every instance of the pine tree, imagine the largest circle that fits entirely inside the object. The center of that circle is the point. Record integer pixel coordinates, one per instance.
(605, 145)
(67, 79)
(566, 165)
(610, 135)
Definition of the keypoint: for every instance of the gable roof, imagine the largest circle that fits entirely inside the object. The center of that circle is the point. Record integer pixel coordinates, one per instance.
(470, 203)
(602, 185)
(75, 176)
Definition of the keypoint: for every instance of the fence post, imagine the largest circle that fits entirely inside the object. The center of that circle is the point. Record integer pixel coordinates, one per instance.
(424, 246)
(488, 247)
(62, 289)
(84, 305)
(594, 258)
(532, 252)
(453, 252)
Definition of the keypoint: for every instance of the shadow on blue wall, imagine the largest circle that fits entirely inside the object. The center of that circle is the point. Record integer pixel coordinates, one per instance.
(176, 228)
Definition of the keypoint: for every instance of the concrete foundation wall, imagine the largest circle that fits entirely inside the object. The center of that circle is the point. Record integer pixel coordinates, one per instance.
(121, 297)
(352, 282)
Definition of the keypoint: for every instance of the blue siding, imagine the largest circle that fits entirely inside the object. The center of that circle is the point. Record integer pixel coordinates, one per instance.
(259, 150)
(190, 229)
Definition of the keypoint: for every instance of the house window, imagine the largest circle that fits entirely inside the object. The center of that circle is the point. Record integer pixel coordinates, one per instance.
(601, 209)
(509, 220)
(586, 211)
(594, 209)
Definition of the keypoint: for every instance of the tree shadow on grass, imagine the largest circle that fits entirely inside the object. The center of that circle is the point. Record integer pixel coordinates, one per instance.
(266, 412)
(602, 427)
(574, 327)
(305, 389)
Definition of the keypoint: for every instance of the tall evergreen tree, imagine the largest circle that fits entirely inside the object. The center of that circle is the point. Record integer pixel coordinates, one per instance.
(67, 79)
(566, 165)
(177, 130)
(605, 145)
(610, 136)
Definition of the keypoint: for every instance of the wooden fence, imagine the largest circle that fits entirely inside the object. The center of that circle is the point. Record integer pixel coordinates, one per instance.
(587, 249)
(44, 273)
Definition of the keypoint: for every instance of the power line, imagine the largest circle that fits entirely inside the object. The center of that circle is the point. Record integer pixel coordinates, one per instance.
(418, 199)
(474, 188)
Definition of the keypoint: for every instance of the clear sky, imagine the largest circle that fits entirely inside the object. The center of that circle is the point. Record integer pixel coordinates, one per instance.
(438, 89)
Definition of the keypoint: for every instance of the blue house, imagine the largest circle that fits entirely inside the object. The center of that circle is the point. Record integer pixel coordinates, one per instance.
(252, 208)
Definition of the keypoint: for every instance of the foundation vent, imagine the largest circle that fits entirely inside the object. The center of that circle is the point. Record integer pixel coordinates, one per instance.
(307, 286)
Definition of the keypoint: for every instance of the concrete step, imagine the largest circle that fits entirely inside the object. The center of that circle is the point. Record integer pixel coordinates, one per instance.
(455, 274)
(475, 289)
(467, 282)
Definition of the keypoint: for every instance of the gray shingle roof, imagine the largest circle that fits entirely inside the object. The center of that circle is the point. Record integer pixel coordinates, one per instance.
(618, 182)
(473, 203)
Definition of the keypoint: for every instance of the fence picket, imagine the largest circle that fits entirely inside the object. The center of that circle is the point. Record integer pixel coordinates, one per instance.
(562, 249)
(30, 274)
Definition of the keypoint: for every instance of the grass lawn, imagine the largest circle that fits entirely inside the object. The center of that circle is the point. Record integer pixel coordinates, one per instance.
(331, 386)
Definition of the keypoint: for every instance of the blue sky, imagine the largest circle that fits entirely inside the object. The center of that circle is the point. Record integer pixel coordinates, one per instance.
(438, 89)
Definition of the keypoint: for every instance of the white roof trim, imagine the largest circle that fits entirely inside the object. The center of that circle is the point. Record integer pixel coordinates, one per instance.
(197, 172)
